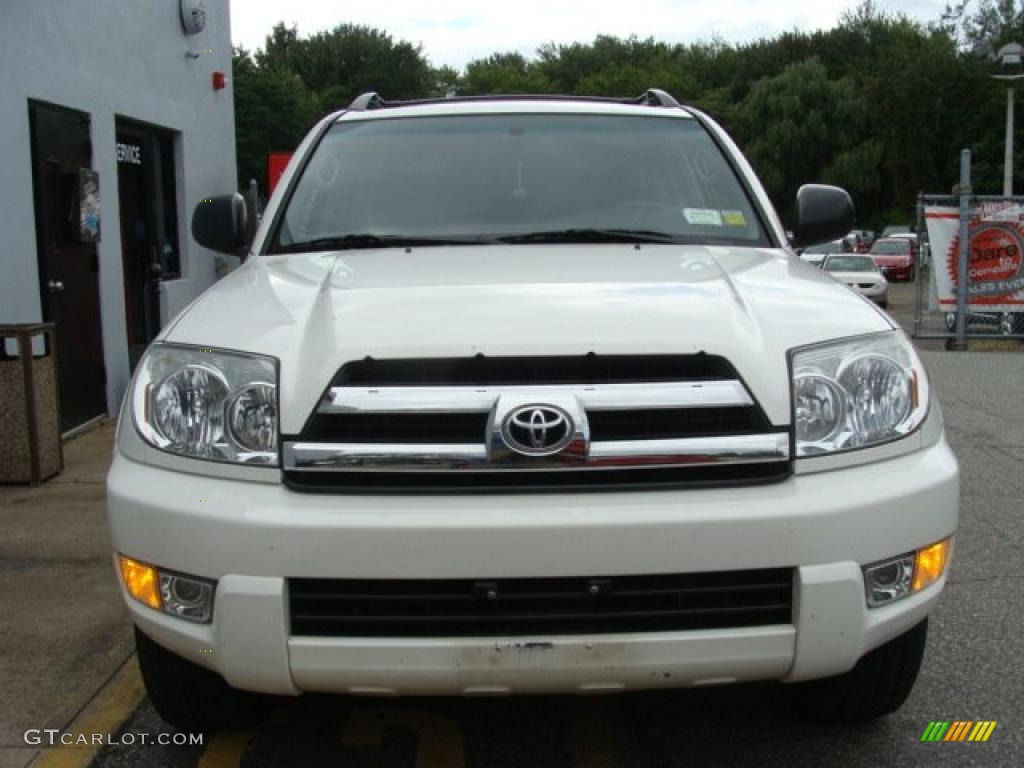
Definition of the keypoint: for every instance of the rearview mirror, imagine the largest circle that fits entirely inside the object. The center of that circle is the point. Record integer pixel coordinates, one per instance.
(219, 223)
(823, 213)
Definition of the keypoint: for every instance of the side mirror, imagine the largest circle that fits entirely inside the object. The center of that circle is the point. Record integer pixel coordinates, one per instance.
(219, 223)
(823, 213)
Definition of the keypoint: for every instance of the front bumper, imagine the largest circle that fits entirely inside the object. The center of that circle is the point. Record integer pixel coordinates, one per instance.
(877, 292)
(251, 537)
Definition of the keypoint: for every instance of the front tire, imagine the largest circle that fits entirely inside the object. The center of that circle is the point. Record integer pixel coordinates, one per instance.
(190, 697)
(878, 685)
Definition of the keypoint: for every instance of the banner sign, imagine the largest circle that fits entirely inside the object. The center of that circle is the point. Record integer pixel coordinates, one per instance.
(995, 255)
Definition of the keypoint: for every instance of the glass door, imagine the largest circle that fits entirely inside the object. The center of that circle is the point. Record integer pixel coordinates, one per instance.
(149, 226)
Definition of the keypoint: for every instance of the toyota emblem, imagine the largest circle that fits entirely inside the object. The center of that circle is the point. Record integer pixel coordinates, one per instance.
(537, 430)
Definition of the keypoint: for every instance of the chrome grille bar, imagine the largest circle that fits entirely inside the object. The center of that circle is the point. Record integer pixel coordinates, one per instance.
(700, 451)
(597, 397)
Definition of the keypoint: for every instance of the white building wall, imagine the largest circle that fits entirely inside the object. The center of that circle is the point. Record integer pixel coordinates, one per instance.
(112, 58)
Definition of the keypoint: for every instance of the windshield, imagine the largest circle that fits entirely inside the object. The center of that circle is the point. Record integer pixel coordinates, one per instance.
(891, 247)
(835, 247)
(502, 177)
(850, 264)
(895, 229)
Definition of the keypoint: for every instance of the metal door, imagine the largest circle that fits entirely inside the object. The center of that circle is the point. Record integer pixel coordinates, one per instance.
(68, 264)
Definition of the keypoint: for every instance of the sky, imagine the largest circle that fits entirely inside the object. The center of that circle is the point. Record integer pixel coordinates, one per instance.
(454, 32)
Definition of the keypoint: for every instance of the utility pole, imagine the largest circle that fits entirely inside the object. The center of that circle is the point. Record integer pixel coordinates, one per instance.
(1011, 57)
(1008, 157)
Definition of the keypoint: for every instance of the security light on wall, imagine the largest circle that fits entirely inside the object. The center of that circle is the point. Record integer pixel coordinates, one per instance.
(193, 16)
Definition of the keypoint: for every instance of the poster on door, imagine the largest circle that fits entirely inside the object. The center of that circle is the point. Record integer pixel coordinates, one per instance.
(995, 253)
(88, 206)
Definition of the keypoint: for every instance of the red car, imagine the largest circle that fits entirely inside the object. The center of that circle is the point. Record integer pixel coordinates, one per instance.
(895, 256)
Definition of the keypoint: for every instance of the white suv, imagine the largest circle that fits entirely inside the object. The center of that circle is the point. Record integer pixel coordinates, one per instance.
(526, 395)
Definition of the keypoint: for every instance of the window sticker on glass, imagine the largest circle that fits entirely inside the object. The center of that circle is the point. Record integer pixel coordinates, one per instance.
(706, 217)
(734, 218)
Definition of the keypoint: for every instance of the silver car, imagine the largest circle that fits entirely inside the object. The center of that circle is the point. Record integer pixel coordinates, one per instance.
(860, 273)
(816, 254)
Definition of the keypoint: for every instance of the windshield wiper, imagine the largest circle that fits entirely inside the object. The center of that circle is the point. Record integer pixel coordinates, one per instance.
(367, 240)
(588, 235)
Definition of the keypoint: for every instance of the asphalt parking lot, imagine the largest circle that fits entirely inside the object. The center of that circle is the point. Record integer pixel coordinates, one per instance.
(972, 669)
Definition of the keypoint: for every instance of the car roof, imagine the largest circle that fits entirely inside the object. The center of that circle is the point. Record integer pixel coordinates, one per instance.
(514, 105)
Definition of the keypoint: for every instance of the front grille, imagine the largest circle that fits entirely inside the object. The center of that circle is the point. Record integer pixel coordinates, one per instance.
(533, 371)
(558, 606)
(665, 423)
(443, 424)
(668, 423)
(397, 427)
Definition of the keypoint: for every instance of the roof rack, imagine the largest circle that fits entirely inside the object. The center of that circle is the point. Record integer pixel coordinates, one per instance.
(652, 97)
(655, 97)
(368, 100)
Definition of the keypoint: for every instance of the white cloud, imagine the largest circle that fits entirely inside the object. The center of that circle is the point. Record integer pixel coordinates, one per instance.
(456, 31)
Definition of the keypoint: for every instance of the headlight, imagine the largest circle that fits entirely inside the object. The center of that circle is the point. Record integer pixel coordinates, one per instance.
(208, 404)
(856, 393)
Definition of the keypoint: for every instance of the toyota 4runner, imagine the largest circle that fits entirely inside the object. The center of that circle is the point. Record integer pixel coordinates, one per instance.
(524, 395)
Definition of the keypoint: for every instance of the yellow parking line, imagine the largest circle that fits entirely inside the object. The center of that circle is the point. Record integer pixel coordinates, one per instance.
(225, 750)
(105, 713)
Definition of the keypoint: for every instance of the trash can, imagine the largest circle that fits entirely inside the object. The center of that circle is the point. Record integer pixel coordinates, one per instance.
(30, 446)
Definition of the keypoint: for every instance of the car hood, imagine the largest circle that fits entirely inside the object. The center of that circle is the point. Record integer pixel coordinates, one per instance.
(316, 311)
(858, 277)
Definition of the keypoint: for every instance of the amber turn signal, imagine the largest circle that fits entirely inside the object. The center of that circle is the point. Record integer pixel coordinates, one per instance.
(930, 563)
(141, 580)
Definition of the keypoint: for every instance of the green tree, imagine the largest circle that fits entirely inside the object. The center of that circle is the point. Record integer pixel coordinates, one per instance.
(445, 81)
(808, 127)
(986, 24)
(273, 111)
(347, 61)
(504, 73)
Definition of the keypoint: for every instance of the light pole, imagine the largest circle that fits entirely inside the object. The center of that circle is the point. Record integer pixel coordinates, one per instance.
(1010, 56)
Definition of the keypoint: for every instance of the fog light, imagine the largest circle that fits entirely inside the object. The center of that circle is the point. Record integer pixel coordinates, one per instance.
(897, 577)
(186, 597)
(930, 563)
(141, 581)
(888, 580)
